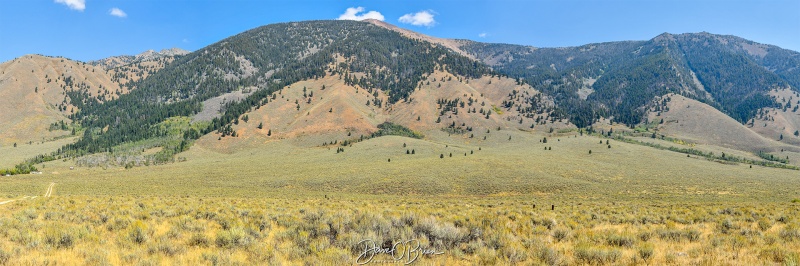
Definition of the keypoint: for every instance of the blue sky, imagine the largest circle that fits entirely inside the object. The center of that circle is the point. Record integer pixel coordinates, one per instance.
(93, 29)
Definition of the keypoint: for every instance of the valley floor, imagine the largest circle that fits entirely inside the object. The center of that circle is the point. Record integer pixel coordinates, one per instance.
(493, 201)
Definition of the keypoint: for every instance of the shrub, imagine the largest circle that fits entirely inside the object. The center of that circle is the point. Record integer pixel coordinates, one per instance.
(646, 251)
(59, 238)
(98, 257)
(5, 257)
(198, 240)
(774, 254)
(514, 254)
(678, 235)
(549, 223)
(118, 224)
(166, 248)
(790, 234)
(560, 234)
(749, 232)
(448, 234)
(620, 241)
(24, 238)
(726, 226)
(596, 256)
(645, 236)
(138, 233)
(487, 256)
(550, 256)
(233, 238)
(764, 224)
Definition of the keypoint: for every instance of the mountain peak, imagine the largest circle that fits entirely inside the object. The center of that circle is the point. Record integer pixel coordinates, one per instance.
(173, 51)
(152, 54)
(664, 37)
(451, 44)
(149, 55)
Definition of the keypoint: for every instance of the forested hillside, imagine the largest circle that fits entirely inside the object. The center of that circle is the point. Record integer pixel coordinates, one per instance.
(620, 78)
(267, 59)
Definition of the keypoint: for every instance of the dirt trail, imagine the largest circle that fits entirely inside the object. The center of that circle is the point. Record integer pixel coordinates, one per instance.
(49, 190)
(47, 194)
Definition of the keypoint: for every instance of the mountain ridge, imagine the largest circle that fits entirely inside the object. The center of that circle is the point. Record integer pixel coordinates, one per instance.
(545, 66)
(385, 67)
(149, 55)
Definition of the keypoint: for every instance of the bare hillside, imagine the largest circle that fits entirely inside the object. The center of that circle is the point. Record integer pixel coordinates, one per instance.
(466, 102)
(147, 56)
(780, 123)
(700, 123)
(312, 116)
(35, 88)
(449, 43)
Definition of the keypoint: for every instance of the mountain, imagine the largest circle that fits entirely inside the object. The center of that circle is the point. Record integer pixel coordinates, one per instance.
(45, 88)
(618, 79)
(263, 61)
(146, 56)
(325, 82)
(38, 90)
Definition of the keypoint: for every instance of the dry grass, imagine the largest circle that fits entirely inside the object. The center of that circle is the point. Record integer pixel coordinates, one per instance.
(701, 123)
(260, 202)
(198, 230)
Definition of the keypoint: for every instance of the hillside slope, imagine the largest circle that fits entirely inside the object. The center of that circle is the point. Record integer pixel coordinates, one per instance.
(264, 60)
(700, 123)
(782, 123)
(619, 79)
(50, 89)
(36, 91)
(307, 114)
(147, 56)
(375, 73)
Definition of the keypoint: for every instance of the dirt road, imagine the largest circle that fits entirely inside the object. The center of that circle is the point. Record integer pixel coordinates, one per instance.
(47, 194)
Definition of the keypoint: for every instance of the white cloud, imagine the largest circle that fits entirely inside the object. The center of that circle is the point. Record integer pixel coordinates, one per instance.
(422, 18)
(483, 35)
(353, 14)
(79, 5)
(117, 12)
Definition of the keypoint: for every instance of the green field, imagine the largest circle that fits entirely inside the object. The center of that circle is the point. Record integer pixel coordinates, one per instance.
(256, 201)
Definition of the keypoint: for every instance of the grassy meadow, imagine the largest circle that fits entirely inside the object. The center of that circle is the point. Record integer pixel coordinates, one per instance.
(508, 199)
